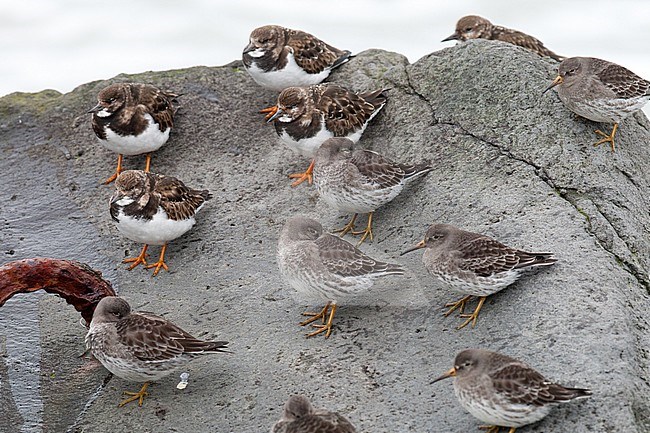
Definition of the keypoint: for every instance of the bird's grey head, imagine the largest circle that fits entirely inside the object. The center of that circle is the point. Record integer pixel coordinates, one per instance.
(300, 228)
(570, 69)
(264, 39)
(568, 73)
(110, 99)
(335, 148)
(467, 362)
(130, 183)
(470, 27)
(111, 309)
(435, 235)
(297, 407)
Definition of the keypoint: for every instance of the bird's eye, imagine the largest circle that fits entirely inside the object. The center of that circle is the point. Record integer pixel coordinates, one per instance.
(265, 40)
(468, 29)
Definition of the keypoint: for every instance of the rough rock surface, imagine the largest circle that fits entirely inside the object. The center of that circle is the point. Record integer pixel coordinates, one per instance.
(509, 163)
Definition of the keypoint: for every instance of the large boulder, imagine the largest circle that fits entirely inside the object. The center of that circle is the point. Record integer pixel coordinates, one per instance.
(509, 162)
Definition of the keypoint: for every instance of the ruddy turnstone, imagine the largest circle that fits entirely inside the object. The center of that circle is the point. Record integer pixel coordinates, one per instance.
(305, 117)
(473, 264)
(359, 181)
(132, 119)
(277, 58)
(475, 27)
(153, 209)
(504, 392)
(139, 346)
(601, 91)
(321, 264)
(301, 417)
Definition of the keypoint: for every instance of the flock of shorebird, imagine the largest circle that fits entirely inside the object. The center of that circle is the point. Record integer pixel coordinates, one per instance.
(323, 122)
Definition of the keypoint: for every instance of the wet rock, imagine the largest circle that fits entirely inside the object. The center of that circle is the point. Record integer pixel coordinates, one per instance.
(509, 162)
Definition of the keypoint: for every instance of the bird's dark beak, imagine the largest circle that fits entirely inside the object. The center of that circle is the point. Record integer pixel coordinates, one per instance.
(450, 373)
(248, 48)
(96, 108)
(453, 37)
(558, 80)
(275, 116)
(417, 247)
(115, 197)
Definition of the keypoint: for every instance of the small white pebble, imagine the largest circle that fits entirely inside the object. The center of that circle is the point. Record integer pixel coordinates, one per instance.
(184, 379)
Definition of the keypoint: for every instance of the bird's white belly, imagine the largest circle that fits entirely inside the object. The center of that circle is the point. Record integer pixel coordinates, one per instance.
(605, 110)
(157, 231)
(149, 140)
(307, 146)
(506, 415)
(356, 200)
(292, 75)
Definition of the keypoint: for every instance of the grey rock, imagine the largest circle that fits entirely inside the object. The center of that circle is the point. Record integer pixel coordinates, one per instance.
(509, 163)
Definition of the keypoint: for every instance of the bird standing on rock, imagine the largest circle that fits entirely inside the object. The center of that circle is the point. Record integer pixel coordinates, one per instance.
(473, 264)
(300, 416)
(324, 265)
(601, 91)
(154, 209)
(277, 58)
(504, 392)
(475, 27)
(359, 181)
(305, 117)
(132, 119)
(139, 346)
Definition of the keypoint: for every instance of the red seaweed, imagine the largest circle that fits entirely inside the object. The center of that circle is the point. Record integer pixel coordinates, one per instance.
(77, 283)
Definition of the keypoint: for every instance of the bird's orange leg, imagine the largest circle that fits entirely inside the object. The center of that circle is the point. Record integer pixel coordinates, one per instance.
(367, 232)
(348, 227)
(141, 259)
(474, 316)
(160, 263)
(147, 164)
(607, 138)
(315, 316)
(118, 170)
(326, 326)
(301, 177)
(140, 395)
(458, 304)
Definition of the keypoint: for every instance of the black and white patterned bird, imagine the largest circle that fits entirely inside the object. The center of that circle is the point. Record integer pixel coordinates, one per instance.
(133, 119)
(154, 209)
(305, 117)
(277, 58)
